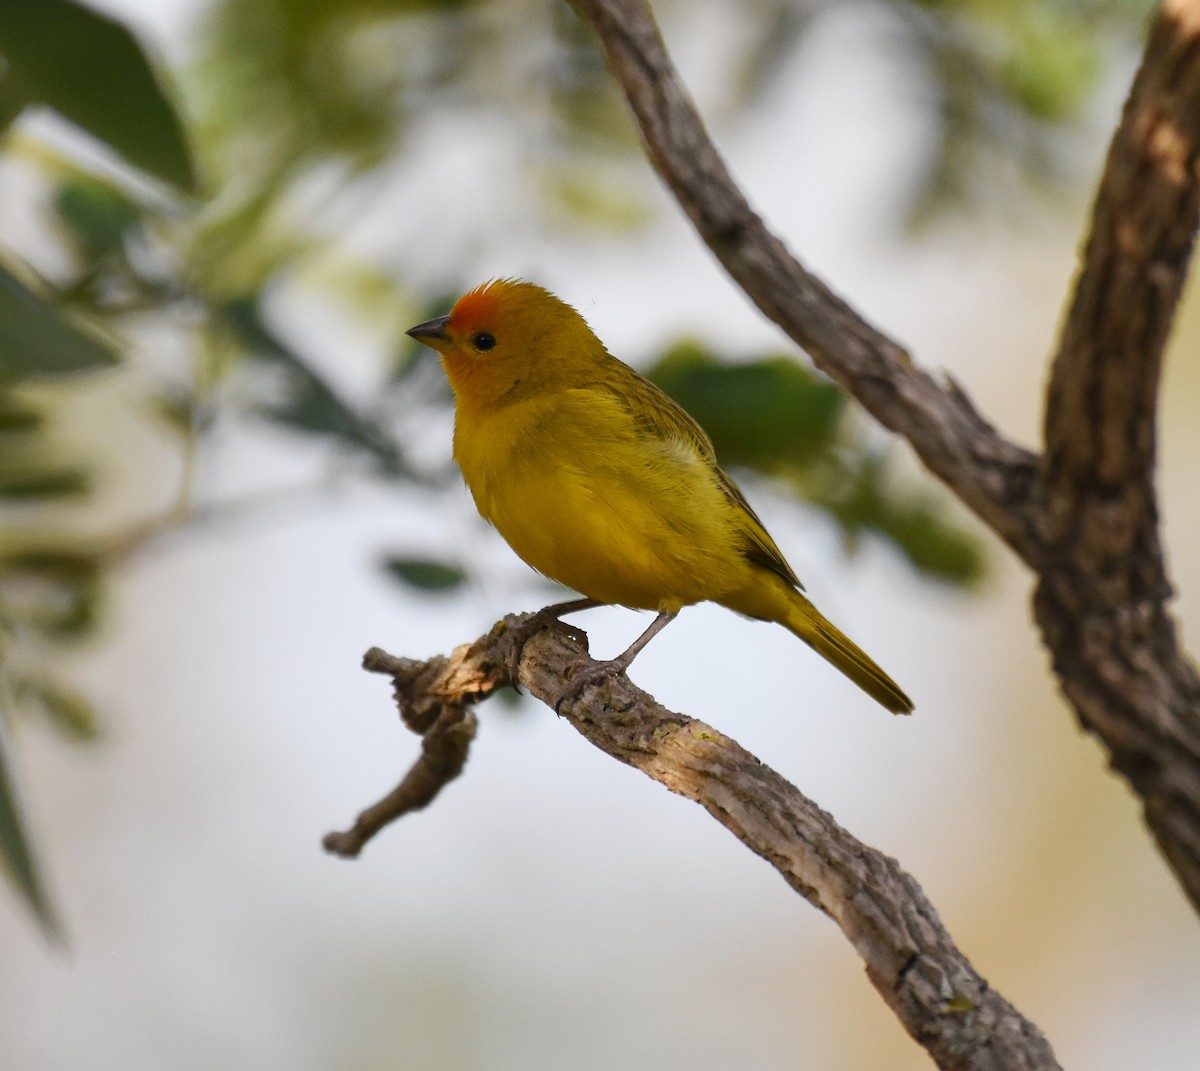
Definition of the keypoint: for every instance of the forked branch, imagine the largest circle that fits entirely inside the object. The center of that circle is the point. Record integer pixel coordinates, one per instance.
(1084, 517)
(910, 958)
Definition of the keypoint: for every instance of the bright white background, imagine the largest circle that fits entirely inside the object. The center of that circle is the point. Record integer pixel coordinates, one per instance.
(553, 909)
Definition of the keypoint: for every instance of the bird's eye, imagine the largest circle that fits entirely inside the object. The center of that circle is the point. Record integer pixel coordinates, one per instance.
(483, 341)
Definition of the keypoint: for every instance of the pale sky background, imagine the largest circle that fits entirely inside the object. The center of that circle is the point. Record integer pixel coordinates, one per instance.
(554, 909)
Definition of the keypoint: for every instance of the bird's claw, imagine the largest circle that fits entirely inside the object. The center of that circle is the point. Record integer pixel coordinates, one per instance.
(530, 627)
(590, 674)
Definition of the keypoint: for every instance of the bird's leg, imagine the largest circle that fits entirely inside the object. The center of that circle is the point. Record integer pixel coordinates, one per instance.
(547, 617)
(625, 659)
(619, 664)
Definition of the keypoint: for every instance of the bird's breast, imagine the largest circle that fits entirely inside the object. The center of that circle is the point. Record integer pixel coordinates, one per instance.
(582, 497)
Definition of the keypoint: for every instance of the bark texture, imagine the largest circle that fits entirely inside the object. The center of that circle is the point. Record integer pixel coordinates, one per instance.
(1082, 514)
(1102, 584)
(910, 959)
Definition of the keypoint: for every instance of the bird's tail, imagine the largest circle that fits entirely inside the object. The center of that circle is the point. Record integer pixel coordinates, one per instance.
(806, 622)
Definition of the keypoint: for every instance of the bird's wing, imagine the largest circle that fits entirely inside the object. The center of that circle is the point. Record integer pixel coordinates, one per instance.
(656, 415)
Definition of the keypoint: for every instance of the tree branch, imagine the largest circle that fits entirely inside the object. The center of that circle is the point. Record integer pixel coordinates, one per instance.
(1086, 520)
(910, 958)
(446, 726)
(1101, 600)
(995, 476)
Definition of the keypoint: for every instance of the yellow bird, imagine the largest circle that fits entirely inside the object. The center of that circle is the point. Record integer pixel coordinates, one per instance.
(600, 481)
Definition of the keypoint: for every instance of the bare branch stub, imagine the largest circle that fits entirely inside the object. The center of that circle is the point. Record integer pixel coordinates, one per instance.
(434, 699)
(910, 958)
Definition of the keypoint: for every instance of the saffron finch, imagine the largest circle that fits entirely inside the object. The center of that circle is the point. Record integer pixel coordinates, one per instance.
(600, 481)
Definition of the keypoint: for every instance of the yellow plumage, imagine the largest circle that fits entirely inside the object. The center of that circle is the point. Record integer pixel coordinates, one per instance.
(600, 481)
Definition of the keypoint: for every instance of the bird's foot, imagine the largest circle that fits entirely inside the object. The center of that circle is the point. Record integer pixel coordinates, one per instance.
(614, 667)
(595, 673)
(535, 623)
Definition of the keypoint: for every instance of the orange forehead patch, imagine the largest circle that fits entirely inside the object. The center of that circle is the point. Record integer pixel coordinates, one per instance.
(479, 306)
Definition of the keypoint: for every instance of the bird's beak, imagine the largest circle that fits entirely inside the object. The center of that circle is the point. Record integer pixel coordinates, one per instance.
(431, 330)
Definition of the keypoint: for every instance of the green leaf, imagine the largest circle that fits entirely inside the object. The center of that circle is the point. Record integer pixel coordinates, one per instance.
(426, 574)
(178, 410)
(16, 852)
(59, 483)
(860, 494)
(73, 716)
(775, 416)
(937, 547)
(97, 214)
(91, 69)
(310, 404)
(761, 414)
(57, 593)
(36, 339)
(1052, 63)
(18, 417)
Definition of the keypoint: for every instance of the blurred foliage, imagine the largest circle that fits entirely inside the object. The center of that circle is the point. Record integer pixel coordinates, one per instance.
(91, 70)
(49, 601)
(139, 275)
(426, 574)
(777, 417)
(37, 340)
(1006, 79)
(306, 402)
(16, 852)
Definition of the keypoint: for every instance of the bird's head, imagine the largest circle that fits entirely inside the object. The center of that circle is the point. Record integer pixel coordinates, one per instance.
(507, 338)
